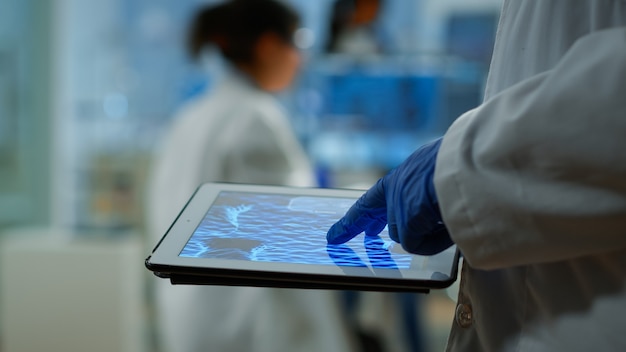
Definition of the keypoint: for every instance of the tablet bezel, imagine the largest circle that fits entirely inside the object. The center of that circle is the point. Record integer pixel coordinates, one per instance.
(165, 261)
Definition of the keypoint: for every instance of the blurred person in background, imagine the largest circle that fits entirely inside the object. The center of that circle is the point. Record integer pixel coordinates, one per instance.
(353, 28)
(355, 32)
(238, 132)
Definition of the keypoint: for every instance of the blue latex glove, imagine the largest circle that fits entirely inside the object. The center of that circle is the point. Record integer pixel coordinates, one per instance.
(405, 200)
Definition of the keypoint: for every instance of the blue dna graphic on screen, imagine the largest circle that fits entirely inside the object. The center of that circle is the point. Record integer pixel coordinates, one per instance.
(286, 228)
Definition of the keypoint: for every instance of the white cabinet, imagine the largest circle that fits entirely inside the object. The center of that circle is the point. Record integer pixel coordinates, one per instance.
(60, 294)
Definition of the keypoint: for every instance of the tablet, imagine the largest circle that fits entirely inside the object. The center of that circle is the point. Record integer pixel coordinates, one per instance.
(272, 236)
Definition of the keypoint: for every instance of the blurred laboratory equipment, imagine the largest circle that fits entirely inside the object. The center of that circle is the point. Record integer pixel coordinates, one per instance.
(88, 87)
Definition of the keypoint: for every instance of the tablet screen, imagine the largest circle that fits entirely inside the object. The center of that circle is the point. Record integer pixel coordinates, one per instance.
(234, 234)
(287, 228)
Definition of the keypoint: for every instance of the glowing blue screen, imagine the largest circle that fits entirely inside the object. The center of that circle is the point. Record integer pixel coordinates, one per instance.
(286, 228)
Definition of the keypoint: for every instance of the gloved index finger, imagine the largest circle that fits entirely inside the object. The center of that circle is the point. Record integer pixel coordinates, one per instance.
(367, 214)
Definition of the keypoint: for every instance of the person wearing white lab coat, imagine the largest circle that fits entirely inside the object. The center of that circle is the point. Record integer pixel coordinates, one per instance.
(531, 186)
(238, 132)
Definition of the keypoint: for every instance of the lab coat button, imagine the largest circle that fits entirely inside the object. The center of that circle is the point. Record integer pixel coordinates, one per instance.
(464, 315)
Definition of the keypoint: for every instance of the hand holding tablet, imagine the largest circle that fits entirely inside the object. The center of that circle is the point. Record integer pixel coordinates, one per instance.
(233, 234)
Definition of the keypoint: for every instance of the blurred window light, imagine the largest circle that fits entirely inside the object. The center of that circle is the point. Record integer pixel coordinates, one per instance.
(304, 38)
(115, 105)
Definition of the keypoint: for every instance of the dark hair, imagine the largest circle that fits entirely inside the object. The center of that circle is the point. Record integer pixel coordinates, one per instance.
(340, 17)
(235, 26)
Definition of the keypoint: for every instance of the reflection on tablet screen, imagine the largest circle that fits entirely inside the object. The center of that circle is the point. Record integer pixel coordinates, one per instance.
(286, 228)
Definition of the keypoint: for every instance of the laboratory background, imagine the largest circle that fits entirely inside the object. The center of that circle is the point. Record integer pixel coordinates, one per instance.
(89, 87)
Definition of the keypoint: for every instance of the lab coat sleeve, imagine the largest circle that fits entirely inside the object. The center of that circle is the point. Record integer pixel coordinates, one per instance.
(538, 172)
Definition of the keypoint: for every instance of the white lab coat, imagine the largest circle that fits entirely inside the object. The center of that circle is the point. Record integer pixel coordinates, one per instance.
(236, 133)
(532, 184)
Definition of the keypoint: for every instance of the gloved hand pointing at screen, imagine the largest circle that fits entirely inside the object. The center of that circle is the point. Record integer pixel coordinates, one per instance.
(405, 200)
